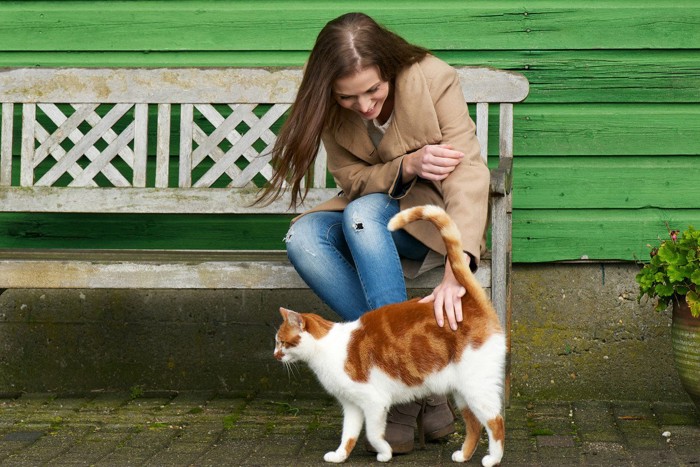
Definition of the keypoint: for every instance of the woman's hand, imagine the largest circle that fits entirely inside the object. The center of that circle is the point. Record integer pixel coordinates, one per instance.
(447, 299)
(431, 162)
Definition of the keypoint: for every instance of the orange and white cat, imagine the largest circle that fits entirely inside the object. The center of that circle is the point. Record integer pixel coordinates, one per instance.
(397, 353)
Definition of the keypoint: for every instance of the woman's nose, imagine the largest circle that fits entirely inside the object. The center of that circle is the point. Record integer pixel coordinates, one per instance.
(364, 104)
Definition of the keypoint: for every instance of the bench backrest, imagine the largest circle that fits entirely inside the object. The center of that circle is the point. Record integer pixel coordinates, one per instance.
(178, 139)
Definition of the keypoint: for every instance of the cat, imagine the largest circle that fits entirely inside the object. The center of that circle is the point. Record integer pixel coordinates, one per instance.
(397, 353)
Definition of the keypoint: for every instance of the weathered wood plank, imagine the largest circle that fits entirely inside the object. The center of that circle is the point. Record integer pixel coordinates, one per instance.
(206, 86)
(27, 163)
(185, 155)
(149, 200)
(142, 269)
(447, 25)
(629, 182)
(6, 137)
(163, 146)
(140, 149)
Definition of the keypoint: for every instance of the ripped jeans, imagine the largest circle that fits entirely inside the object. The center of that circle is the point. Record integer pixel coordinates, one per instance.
(350, 259)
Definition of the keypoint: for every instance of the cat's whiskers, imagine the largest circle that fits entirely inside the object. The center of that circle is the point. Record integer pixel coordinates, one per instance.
(292, 370)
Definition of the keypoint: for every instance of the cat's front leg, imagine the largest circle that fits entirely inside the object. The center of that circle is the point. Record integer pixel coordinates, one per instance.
(352, 425)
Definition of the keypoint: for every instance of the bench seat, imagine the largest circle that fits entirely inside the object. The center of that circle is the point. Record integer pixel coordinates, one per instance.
(166, 269)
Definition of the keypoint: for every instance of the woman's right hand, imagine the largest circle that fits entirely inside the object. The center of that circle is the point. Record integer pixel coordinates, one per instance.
(431, 162)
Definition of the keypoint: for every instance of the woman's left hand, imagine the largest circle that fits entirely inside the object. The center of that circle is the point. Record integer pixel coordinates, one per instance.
(447, 299)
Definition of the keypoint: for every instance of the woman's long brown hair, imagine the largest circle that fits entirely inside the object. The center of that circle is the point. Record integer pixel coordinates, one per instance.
(345, 46)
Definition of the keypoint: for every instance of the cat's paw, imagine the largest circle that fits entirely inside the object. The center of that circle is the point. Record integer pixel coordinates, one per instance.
(458, 456)
(335, 457)
(490, 461)
(384, 457)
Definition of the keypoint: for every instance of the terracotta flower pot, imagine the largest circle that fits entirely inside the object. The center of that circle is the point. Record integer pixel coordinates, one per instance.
(685, 337)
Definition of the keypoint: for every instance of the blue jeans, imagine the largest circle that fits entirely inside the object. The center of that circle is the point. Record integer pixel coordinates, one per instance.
(350, 259)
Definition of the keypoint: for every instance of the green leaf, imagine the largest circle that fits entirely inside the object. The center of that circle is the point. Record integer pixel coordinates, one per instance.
(668, 254)
(663, 290)
(695, 277)
(694, 303)
(676, 273)
(661, 305)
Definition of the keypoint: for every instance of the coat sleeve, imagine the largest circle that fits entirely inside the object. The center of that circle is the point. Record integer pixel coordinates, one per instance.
(357, 177)
(465, 191)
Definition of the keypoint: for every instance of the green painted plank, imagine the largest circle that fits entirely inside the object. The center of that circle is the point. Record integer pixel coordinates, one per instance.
(445, 25)
(559, 76)
(538, 235)
(629, 182)
(606, 129)
(600, 76)
(124, 231)
(556, 235)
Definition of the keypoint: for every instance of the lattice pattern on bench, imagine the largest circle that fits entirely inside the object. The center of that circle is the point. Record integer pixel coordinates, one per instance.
(90, 145)
(93, 138)
(250, 146)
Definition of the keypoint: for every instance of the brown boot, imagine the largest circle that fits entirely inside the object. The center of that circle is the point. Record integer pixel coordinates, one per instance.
(438, 419)
(400, 428)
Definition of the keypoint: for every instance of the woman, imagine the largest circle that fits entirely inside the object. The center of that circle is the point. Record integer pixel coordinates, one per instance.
(395, 126)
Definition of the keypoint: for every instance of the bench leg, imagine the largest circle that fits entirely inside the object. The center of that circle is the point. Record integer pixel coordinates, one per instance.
(501, 270)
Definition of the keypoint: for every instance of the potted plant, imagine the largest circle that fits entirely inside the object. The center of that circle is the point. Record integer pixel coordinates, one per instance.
(672, 277)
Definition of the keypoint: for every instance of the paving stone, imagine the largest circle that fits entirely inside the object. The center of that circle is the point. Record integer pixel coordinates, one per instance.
(202, 429)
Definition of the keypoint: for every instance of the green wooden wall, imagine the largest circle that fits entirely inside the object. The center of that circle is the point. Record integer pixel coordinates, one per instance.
(607, 144)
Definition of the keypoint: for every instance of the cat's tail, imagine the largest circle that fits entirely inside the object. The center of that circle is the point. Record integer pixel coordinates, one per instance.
(453, 243)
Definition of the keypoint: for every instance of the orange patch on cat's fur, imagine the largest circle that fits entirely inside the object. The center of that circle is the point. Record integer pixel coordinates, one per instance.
(498, 429)
(403, 340)
(473, 433)
(350, 445)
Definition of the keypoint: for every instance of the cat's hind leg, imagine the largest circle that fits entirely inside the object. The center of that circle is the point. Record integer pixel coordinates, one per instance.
(496, 430)
(472, 436)
(485, 406)
(376, 427)
(352, 425)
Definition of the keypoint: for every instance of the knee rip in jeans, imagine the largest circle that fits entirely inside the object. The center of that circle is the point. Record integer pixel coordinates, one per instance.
(357, 224)
(288, 239)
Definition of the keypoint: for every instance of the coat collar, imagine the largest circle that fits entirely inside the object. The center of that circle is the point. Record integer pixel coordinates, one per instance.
(413, 124)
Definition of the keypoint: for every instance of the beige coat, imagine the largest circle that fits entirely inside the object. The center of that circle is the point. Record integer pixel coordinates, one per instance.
(429, 108)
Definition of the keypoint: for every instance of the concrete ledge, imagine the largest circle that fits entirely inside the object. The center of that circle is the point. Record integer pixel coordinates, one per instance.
(577, 333)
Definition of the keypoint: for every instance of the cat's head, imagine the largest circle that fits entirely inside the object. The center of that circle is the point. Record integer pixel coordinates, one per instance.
(297, 334)
(288, 335)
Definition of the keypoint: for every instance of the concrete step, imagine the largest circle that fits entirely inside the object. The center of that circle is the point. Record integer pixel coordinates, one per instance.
(578, 333)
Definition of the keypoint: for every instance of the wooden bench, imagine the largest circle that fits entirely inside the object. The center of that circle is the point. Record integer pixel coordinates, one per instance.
(83, 123)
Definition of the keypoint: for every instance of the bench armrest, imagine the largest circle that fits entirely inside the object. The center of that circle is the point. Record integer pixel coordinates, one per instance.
(502, 177)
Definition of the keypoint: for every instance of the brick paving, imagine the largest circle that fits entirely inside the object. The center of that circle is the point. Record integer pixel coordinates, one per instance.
(214, 429)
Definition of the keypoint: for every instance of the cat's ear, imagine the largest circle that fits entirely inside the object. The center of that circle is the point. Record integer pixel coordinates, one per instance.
(284, 312)
(293, 318)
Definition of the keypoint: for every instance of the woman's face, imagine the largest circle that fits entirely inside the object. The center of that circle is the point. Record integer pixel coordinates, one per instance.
(365, 93)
